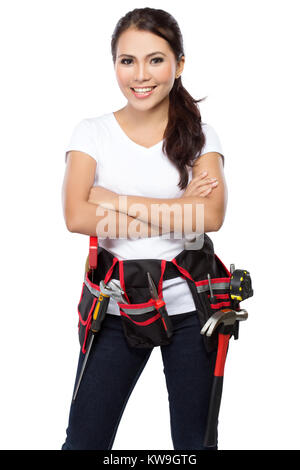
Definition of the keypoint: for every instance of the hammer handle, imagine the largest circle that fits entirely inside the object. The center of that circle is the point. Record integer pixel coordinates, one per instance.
(210, 439)
(221, 354)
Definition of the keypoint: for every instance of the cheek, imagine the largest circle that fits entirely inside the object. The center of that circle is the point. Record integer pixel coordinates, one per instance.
(165, 74)
(123, 77)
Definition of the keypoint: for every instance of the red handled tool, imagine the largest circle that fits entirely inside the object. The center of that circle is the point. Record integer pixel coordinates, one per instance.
(225, 322)
(160, 307)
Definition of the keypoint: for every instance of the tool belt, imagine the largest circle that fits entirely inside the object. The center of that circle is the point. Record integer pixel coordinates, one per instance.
(142, 323)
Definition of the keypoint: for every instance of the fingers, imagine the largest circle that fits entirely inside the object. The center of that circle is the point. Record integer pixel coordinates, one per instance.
(204, 188)
(206, 192)
(209, 184)
(202, 181)
(208, 189)
(202, 185)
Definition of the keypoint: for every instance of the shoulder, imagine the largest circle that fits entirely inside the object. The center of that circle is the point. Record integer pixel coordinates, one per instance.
(96, 122)
(212, 141)
(87, 136)
(93, 128)
(209, 130)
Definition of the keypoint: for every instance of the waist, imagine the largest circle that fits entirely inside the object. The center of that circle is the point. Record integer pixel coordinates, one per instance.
(143, 248)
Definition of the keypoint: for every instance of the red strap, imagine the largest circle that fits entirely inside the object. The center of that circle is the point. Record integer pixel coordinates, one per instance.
(144, 323)
(85, 322)
(182, 270)
(122, 282)
(93, 252)
(89, 321)
(110, 271)
(215, 280)
(162, 271)
(220, 305)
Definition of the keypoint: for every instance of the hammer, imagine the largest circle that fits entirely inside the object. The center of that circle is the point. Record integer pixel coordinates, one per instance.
(224, 320)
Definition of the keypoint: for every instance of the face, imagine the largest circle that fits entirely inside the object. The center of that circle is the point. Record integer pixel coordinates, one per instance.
(137, 67)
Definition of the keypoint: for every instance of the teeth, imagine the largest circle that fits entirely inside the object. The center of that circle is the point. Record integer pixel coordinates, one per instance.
(142, 90)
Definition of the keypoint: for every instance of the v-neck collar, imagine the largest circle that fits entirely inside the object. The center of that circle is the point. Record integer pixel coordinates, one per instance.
(121, 132)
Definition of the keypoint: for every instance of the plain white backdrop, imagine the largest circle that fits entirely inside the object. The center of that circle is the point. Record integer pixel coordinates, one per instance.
(56, 70)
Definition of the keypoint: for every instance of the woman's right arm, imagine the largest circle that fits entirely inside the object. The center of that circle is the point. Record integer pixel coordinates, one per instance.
(79, 214)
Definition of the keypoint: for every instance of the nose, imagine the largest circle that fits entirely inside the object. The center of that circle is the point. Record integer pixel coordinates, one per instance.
(141, 73)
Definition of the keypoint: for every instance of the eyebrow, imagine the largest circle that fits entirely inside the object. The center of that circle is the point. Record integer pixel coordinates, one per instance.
(148, 55)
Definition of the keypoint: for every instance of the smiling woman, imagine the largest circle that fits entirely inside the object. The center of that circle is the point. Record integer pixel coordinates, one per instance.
(158, 156)
(143, 91)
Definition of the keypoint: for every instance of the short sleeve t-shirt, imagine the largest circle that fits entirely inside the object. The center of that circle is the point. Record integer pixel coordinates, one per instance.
(128, 168)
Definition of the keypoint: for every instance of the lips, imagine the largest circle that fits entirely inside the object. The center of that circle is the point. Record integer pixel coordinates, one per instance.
(141, 95)
(144, 87)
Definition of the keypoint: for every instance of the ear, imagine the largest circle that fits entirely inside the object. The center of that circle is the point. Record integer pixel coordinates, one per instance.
(180, 67)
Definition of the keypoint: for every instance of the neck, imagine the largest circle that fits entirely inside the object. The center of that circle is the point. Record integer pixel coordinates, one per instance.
(156, 116)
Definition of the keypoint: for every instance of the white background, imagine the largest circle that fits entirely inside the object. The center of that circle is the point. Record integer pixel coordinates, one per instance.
(56, 70)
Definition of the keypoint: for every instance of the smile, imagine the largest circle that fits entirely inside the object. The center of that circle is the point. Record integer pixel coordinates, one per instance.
(143, 92)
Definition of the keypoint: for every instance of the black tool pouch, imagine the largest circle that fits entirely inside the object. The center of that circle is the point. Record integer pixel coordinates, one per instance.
(195, 265)
(143, 325)
(85, 310)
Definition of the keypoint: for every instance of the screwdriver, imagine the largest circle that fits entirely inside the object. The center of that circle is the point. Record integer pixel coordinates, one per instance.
(160, 306)
(98, 317)
(213, 299)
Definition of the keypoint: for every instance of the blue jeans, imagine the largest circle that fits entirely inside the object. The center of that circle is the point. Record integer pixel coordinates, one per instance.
(112, 371)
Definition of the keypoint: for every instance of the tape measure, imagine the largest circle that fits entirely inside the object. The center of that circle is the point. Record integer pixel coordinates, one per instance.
(240, 285)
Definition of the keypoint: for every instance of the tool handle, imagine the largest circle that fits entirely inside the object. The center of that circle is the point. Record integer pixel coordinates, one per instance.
(213, 300)
(160, 307)
(210, 439)
(99, 312)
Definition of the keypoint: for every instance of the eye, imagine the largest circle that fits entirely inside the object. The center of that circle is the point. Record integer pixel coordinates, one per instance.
(122, 61)
(154, 58)
(158, 58)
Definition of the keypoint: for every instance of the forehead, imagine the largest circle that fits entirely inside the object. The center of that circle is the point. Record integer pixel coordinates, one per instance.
(141, 43)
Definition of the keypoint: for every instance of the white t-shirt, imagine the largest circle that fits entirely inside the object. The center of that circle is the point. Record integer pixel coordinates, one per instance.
(128, 168)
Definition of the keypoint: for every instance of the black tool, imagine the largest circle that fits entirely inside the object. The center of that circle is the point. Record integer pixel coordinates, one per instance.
(240, 286)
(223, 322)
(240, 289)
(98, 317)
(160, 307)
(212, 299)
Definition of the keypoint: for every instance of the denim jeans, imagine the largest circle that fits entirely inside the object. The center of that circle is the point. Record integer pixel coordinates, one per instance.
(112, 371)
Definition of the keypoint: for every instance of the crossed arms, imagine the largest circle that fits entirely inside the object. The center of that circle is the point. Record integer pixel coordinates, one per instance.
(88, 209)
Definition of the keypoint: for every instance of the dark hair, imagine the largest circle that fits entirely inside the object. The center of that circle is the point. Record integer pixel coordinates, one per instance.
(183, 136)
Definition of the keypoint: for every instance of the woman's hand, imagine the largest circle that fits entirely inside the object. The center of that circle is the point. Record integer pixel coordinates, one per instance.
(200, 186)
(102, 196)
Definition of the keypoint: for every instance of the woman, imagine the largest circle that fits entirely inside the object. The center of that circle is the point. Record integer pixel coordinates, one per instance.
(155, 150)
